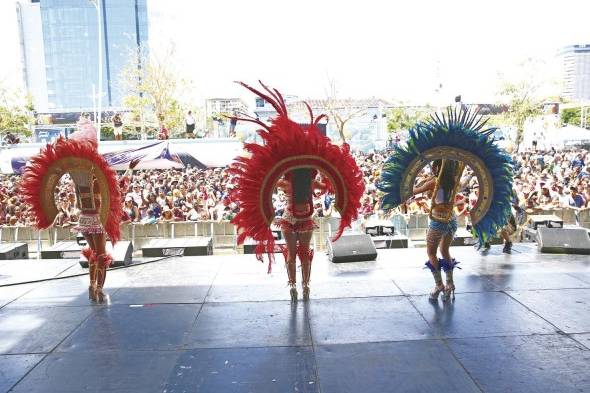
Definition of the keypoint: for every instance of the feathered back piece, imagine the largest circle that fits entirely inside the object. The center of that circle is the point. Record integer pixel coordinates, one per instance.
(459, 135)
(79, 153)
(287, 146)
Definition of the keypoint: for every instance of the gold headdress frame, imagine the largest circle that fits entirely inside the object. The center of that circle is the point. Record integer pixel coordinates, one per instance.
(66, 165)
(484, 178)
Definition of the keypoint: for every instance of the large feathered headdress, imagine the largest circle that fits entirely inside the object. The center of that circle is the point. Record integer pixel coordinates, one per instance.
(288, 145)
(461, 136)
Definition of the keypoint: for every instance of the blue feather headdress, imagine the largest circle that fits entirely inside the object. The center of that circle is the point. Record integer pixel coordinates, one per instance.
(461, 130)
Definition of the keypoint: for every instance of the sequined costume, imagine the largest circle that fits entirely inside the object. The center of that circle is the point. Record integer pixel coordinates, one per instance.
(97, 192)
(450, 142)
(290, 154)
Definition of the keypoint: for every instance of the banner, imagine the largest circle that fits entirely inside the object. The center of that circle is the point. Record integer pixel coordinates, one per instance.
(181, 153)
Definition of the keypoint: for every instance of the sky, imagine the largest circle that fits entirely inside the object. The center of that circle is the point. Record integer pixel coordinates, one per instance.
(396, 50)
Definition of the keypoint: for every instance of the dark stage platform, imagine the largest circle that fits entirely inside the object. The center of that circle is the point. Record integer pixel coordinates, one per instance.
(520, 323)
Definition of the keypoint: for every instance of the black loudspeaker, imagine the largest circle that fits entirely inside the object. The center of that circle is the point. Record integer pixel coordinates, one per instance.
(549, 221)
(563, 240)
(62, 250)
(250, 246)
(379, 228)
(397, 241)
(186, 246)
(122, 254)
(14, 251)
(352, 248)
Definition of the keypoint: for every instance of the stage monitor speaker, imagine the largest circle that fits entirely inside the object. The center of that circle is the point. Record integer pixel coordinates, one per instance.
(186, 246)
(397, 241)
(563, 240)
(352, 248)
(62, 250)
(379, 228)
(250, 246)
(122, 254)
(14, 251)
(549, 221)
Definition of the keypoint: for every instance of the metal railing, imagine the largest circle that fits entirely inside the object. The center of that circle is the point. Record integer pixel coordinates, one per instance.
(224, 233)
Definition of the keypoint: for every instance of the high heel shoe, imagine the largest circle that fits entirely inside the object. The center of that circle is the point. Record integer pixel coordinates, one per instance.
(449, 292)
(439, 286)
(306, 293)
(91, 258)
(448, 267)
(436, 291)
(293, 292)
(103, 262)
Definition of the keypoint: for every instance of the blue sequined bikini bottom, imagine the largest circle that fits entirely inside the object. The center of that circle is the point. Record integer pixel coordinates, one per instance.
(447, 228)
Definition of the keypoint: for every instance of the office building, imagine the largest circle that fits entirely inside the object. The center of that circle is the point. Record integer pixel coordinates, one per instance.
(59, 46)
(576, 72)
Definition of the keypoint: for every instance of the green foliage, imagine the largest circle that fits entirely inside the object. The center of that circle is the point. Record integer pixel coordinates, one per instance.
(15, 114)
(402, 118)
(571, 116)
(522, 106)
(107, 133)
(153, 93)
(15, 120)
(495, 120)
(521, 93)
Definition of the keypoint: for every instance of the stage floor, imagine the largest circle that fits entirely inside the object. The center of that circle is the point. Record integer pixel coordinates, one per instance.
(519, 323)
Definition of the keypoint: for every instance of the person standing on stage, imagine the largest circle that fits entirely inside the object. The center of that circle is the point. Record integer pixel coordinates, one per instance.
(297, 224)
(97, 191)
(189, 122)
(118, 127)
(290, 158)
(443, 187)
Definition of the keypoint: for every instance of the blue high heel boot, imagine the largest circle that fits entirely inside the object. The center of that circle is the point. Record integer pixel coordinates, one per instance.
(439, 286)
(448, 267)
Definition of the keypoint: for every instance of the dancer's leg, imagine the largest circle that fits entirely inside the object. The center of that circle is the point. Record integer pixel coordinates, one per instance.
(305, 254)
(507, 243)
(291, 240)
(103, 262)
(90, 255)
(448, 265)
(433, 238)
(445, 245)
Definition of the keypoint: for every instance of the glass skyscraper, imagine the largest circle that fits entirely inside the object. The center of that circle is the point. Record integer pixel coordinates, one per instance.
(576, 72)
(70, 38)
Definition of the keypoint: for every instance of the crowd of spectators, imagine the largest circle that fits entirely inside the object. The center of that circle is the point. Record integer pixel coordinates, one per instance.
(542, 179)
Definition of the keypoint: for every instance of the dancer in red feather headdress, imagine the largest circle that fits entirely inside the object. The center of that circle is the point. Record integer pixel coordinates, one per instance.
(290, 158)
(97, 190)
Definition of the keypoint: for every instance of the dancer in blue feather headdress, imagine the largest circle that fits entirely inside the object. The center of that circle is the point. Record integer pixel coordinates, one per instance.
(450, 142)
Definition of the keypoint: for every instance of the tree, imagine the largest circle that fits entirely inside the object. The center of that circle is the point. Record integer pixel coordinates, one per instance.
(341, 111)
(402, 118)
(15, 112)
(573, 116)
(154, 90)
(522, 94)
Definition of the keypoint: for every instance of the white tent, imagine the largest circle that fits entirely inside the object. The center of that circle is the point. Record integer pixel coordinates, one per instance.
(571, 135)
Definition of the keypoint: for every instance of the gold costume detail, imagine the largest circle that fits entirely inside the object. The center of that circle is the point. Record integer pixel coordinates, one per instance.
(74, 166)
(483, 175)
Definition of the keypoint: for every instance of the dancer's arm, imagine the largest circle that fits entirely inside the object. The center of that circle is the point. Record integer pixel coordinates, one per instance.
(125, 180)
(283, 185)
(318, 185)
(129, 172)
(428, 185)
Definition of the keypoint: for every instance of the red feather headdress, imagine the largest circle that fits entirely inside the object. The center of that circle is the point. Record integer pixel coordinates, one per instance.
(287, 146)
(44, 170)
